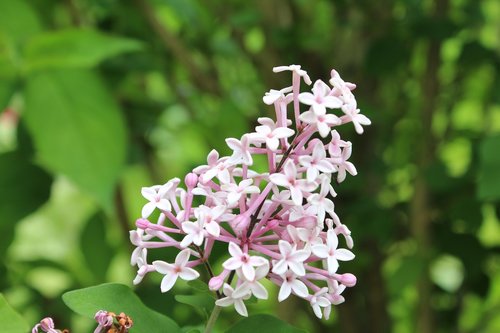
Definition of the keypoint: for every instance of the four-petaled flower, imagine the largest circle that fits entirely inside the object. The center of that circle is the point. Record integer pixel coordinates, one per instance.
(240, 259)
(320, 99)
(176, 270)
(289, 180)
(234, 297)
(241, 152)
(330, 252)
(291, 258)
(156, 196)
(316, 162)
(291, 283)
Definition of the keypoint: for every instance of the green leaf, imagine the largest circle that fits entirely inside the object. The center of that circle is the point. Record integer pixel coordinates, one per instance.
(12, 322)
(74, 48)
(489, 165)
(203, 303)
(263, 324)
(77, 129)
(18, 20)
(24, 187)
(119, 298)
(98, 253)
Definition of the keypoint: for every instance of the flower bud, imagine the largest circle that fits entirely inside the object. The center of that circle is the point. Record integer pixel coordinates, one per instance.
(191, 180)
(348, 279)
(216, 283)
(142, 223)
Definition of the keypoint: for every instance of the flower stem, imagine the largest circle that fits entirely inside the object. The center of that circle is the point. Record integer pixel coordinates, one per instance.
(213, 317)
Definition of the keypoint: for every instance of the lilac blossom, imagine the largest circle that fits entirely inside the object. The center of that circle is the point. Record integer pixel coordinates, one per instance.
(278, 224)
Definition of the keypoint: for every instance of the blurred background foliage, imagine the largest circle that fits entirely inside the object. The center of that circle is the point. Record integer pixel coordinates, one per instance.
(101, 97)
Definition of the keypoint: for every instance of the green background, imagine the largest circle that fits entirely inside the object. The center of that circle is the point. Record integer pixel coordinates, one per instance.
(101, 97)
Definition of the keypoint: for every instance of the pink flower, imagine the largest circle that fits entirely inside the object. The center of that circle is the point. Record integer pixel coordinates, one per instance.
(176, 270)
(296, 69)
(342, 164)
(271, 135)
(46, 325)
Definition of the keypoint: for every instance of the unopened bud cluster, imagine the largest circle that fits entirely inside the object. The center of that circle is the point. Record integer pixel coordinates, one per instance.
(278, 225)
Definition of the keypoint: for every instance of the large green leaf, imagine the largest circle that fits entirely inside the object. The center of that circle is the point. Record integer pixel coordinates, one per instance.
(203, 303)
(119, 298)
(74, 48)
(23, 188)
(18, 20)
(77, 128)
(12, 322)
(489, 167)
(263, 324)
(97, 251)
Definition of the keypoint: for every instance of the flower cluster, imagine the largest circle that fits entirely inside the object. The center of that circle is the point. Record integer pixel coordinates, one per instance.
(279, 225)
(107, 322)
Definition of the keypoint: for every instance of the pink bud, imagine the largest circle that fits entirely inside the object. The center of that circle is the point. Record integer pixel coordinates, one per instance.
(240, 223)
(191, 180)
(47, 324)
(142, 223)
(216, 283)
(103, 318)
(347, 279)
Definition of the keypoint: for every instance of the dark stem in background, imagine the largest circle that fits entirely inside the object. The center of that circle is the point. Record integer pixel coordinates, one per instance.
(420, 206)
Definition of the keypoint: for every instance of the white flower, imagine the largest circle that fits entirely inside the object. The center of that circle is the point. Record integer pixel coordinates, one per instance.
(254, 286)
(320, 204)
(336, 143)
(323, 122)
(320, 99)
(290, 258)
(241, 153)
(208, 217)
(318, 301)
(242, 260)
(342, 164)
(352, 114)
(176, 270)
(231, 298)
(316, 162)
(330, 252)
(296, 70)
(271, 135)
(142, 265)
(156, 196)
(274, 95)
(291, 283)
(289, 180)
(216, 167)
(234, 192)
(195, 233)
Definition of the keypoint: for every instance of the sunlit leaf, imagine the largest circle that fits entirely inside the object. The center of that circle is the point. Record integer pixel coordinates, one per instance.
(12, 322)
(77, 128)
(74, 48)
(119, 298)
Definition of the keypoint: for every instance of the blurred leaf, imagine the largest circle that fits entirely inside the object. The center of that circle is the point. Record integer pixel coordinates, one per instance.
(263, 324)
(96, 250)
(12, 322)
(77, 129)
(203, 303)
(119, 298)
(24, 186)
(386, 54)
(18, 20)
(407, 274)
(489, 167)
(74, 48)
